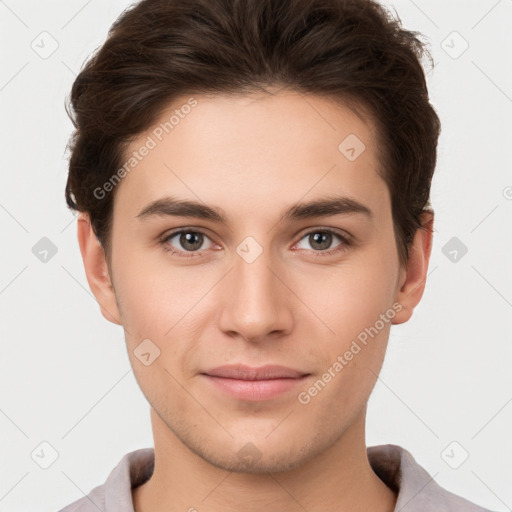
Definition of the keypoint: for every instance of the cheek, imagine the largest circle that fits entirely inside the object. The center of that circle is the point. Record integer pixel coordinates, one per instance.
(351, 362)
(351, 297)
(356, 304)
(153, 296)
(162, 307)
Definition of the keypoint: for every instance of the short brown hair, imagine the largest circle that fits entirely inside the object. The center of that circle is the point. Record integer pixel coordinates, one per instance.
(353, 51)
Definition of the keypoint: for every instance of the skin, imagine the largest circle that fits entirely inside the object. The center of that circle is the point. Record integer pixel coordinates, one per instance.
(254, 156)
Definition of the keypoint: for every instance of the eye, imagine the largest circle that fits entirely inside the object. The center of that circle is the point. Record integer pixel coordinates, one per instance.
(321, 240)
(188, 241)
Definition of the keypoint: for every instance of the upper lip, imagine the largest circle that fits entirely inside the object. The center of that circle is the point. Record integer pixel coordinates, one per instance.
(243, 372)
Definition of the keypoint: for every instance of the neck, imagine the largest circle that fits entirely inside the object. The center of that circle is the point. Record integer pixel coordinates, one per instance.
(340, 479)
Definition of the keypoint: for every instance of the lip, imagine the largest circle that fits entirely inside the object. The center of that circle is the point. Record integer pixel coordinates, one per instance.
(254, 383)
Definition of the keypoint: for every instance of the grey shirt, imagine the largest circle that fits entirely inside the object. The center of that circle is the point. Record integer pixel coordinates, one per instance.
(395, 466)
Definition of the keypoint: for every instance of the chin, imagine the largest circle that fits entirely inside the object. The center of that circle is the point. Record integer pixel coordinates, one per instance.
(253, 460)
(252, 453)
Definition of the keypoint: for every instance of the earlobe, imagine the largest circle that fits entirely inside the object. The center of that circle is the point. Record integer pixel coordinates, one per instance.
(413, 285)
(96, 269)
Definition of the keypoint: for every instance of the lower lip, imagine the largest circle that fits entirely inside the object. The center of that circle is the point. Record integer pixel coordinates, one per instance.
(254, 390)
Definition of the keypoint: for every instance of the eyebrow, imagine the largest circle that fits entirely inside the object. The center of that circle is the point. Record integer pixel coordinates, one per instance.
(169, 206)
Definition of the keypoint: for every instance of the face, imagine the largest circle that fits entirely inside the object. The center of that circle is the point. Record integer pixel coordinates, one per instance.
(249, 276)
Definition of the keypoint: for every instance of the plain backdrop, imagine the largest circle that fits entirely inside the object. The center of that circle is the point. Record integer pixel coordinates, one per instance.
(65, 378)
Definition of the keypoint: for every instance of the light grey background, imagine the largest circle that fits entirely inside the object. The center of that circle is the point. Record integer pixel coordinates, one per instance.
(65, 378)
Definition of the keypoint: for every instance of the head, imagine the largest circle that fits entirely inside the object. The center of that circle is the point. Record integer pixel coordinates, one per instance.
(282, 121)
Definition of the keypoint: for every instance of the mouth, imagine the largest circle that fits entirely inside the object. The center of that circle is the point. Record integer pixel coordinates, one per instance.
(254, 384)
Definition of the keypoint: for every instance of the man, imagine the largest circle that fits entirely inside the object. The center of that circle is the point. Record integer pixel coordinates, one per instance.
(254, 182)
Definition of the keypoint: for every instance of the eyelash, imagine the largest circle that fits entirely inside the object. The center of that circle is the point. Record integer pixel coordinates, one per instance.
(346, 242)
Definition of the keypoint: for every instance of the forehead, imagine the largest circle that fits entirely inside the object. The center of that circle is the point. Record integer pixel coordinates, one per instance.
(252, 150)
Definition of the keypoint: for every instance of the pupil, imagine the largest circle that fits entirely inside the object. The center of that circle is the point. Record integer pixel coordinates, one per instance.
(317, 237)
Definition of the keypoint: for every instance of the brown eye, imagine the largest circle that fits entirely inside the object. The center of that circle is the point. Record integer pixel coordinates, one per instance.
(321, 241)
(185, 241)
(191, 240)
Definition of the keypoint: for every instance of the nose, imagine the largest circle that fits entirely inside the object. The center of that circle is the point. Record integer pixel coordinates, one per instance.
(256, 304)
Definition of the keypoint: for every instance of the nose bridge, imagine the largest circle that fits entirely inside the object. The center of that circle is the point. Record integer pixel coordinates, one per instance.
(256, 306)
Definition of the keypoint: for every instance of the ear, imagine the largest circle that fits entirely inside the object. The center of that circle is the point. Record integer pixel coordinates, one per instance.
(96, 269)
(413, 276)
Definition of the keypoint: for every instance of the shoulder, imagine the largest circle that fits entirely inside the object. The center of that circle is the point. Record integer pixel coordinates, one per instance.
(115, 494)
(416, 489)
(91, 503)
